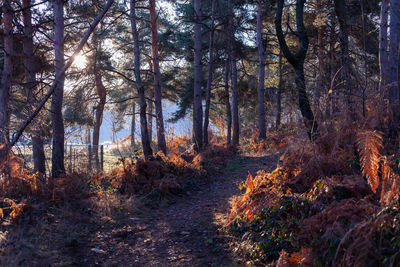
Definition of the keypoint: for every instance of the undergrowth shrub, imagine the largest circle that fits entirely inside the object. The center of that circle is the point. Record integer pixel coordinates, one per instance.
(146, 176)
(179, 145)
(345, 179)
(155, 178)
(372, 242)
(273, 230)
(11, 209)
(212, 155)
(276, 140)
(324, 230)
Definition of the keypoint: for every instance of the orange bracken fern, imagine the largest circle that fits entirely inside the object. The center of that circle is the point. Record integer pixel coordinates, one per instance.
(369, 143)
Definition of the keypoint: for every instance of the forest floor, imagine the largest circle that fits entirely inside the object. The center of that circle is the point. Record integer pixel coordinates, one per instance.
(180, 231)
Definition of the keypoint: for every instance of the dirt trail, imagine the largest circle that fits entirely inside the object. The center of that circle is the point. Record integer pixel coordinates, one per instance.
(181, 233)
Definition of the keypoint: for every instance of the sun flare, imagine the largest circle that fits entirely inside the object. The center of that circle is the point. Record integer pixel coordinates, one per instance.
(80, 62)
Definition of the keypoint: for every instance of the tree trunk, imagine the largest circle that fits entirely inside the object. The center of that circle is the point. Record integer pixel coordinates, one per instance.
(261, 75)
(58, 168)
(227, 102)
(210, 76)
(319, 87)
(102, 94)
(150, 98)
(279, 97)
(393, 82)
(147, 151)
(150, 114)
(7, 72)
(332, 42)
(364, 89)
(383, 45)
(157, 80)
(39, 159)
(197, 101)
(88, 136)
(394, 52)
(297, 61)
(303, 100)
(319, 80)
(341, 13)
(235, 106)
(133, 124)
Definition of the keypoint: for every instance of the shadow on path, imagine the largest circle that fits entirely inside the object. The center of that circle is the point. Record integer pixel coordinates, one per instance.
(181, 233)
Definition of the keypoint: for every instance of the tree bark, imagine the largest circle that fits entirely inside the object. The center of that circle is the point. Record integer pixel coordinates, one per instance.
(319, 87)
(7, 72)
(210, 76)
(227, 102)
(161, 144)
(102, 94)
(320, 82)
(39, 159)
(341, 13)
(133, 124)
(88, 136)
(150, 114)
(197, 101)
(332, 60)
(364, 89)
(150, 98)
(394, 52)
(235, 106)
(58, 168)
(261, 75)
(279, 97)
(147, 151)
(383, 46)
(297, 61)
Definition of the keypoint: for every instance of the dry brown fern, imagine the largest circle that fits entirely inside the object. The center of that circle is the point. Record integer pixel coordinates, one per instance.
(390, 183)
(369, 143)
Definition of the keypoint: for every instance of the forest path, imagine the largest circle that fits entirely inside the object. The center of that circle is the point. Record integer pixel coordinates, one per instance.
(181, 232)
